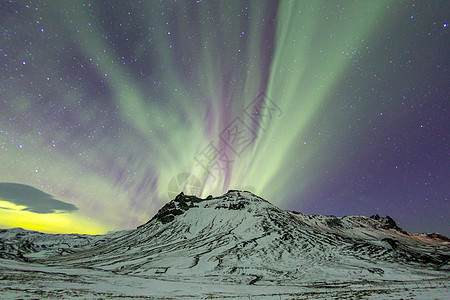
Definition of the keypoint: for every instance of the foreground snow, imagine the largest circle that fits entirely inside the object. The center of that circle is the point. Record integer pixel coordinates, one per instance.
(31, 281)
(234, 246)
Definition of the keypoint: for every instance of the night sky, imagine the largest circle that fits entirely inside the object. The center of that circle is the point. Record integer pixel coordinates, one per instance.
(109, 109)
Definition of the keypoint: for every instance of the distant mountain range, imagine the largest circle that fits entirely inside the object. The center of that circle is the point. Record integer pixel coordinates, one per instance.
(237, 239)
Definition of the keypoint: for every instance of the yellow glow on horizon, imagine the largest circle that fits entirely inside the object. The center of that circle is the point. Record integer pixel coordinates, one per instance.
(12, 216)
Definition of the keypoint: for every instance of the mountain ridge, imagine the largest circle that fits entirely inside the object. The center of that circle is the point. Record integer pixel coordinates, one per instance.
(232, 201)
(235, 239)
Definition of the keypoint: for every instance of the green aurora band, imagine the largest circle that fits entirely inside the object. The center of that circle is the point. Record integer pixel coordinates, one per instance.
(152, 127)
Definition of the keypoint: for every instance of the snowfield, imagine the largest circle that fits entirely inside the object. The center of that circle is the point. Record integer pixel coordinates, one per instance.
(236, 246)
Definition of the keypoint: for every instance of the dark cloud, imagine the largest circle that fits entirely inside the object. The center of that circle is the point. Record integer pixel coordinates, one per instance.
(35, 200)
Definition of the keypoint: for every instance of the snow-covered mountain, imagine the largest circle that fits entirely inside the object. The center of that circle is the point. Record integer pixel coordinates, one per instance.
(242, 239)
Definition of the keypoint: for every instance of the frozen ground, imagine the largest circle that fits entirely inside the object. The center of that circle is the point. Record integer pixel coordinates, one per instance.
(34, 281)
(236, 246)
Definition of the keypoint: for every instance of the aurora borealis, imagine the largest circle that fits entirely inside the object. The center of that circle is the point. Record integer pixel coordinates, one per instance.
(324, 107)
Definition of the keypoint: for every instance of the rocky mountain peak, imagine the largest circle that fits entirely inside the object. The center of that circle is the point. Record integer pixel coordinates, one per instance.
(232, 200)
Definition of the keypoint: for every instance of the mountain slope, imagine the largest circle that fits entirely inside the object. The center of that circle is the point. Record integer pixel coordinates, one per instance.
(231, 246)
(243, 238)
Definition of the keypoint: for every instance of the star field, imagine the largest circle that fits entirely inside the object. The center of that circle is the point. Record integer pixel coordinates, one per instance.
(112, 107)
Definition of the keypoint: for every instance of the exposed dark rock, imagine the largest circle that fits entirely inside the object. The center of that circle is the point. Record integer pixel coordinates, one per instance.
(237, 206)
(438, 236)
(388, 223)
(166, 218)
(287, 236)
(376, 271)
(334, 222)
(257, 278)
(391, 242)
(375, 217)
(176, 207)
